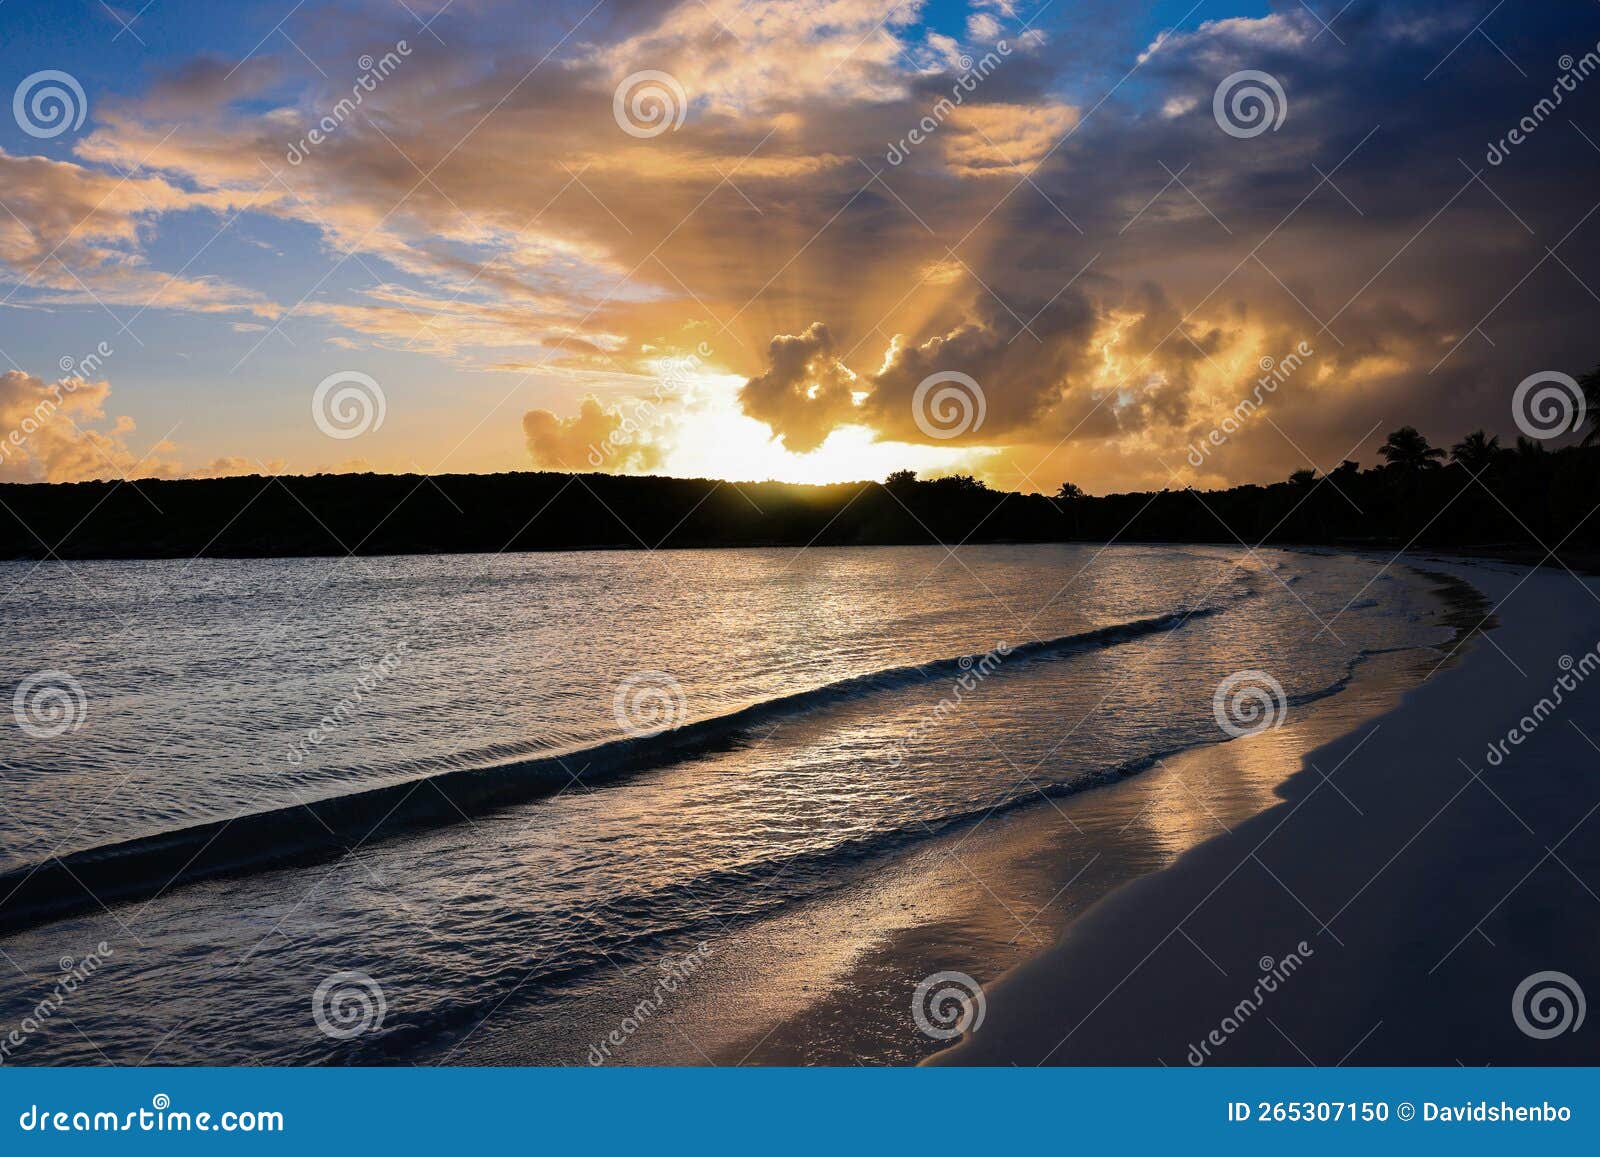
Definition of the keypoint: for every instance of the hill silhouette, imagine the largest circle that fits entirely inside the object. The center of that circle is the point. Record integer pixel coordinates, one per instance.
(1485, 498)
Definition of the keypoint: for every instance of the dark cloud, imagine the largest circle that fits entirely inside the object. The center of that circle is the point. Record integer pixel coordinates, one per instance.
(1021, 362)
(209, 82)
(806, 390)
(1084, 241)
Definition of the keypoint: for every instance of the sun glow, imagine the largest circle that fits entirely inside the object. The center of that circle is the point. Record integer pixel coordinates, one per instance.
(716, 440)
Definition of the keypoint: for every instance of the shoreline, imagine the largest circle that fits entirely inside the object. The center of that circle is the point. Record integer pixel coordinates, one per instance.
(1412, 886)
(1584, 561)
(832, 981)
(73, 882)
(1046, 867)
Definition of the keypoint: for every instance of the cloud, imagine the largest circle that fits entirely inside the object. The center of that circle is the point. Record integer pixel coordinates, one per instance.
(50, 432)
(210, 82)
(739, 59)
(983, 27)
(75, 236)
(806, 390)
(1022, 364)
(1084, 241)
(234, 466)
(60, 432)
(989, 140)
(597, 437)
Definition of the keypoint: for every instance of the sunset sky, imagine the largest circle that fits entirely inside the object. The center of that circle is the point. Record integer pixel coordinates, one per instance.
(532, 273)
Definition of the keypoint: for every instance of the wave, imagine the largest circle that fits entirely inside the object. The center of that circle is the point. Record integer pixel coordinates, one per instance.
(656, 919)
(320, 829)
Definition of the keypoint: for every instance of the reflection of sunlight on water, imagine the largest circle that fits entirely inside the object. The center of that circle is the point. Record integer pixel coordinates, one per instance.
(985, 900)
(1192, 799)
(824, 872)
(829, 981)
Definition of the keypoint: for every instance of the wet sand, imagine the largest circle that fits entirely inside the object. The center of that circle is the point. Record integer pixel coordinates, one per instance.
(1419, 884)
(832, 981)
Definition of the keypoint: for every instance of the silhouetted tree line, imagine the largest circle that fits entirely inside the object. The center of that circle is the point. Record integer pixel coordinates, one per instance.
(335, 514)
(1479, 494)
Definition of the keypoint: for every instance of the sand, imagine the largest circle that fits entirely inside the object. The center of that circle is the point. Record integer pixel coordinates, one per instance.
(831, 980)
(1387, 910)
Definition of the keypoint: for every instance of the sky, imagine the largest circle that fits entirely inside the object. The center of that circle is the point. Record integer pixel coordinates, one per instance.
(813, 241)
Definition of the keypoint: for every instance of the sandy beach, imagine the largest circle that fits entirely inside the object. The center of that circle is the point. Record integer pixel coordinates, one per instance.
(832, 982)
(1035, 559)
(1411, 880)
(814, 882)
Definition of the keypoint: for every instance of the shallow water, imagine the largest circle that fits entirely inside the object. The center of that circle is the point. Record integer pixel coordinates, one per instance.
(201, 682)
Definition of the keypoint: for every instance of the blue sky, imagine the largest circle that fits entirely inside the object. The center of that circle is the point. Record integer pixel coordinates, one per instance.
(485, 241)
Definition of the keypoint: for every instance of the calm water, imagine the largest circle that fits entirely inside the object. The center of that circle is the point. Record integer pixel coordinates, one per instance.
(216, 690)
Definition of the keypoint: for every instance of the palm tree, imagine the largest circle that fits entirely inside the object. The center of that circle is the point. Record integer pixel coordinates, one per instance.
(1407, 450)
(1590, 384)
(1476, 451)
(1303, 478)
(1530, 448)
(1072, 494)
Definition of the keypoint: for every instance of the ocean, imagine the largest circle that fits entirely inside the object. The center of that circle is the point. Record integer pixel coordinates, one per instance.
(451, 808)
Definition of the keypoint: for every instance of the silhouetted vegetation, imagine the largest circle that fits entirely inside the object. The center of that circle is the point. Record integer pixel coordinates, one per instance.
(1476, 451)
(336, 514)
(1524, 499)
(1407, 450)
(1590, 384)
